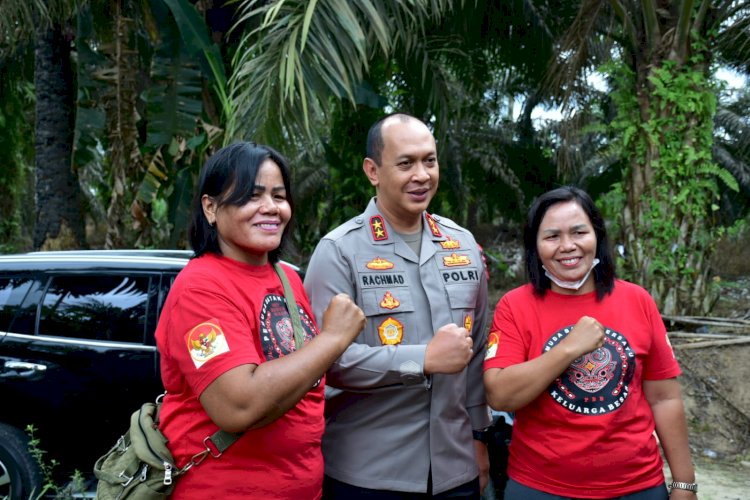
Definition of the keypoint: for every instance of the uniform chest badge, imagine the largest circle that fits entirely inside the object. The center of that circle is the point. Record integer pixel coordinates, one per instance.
(379, 264)
(455, 259)
(450, 244)
(389, 301)
(377, 226)
(433, 226)
(391, 331)
(204, 342)
(468, 322)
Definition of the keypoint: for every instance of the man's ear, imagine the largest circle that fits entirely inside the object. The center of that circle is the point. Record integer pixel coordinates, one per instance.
(209, 209)
(371, 171)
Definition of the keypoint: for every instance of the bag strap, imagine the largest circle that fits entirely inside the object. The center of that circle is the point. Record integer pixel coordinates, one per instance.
(291, 305)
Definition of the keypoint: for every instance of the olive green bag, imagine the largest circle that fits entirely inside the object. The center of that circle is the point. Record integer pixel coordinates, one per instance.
(139, 465)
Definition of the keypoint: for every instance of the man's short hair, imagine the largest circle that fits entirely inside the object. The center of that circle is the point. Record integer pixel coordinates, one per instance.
(375, 143)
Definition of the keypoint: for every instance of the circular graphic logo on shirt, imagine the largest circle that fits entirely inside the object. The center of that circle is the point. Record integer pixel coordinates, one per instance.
(276, 331)
(598, 382)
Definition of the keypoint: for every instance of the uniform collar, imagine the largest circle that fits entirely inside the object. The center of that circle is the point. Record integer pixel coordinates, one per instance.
(382, 233)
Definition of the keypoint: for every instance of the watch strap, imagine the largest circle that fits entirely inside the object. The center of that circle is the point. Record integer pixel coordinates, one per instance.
(679, 485)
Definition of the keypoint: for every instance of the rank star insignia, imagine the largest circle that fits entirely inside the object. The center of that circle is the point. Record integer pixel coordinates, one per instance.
(389, 301)
(391, 332)
(433, 226)
(450, 244)
(467, 322)
(455, 259)
(377, 226)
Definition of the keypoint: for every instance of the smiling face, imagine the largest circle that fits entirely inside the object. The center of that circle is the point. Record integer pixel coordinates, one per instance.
(566, 244)
(249, 231)
(408, 174)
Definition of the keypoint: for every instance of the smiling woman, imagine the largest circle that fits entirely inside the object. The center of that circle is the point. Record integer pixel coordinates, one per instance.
(231, 356)
(249, 229)
(590, 352)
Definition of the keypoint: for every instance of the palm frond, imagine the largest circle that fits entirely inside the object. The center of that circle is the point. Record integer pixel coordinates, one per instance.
(302, 53)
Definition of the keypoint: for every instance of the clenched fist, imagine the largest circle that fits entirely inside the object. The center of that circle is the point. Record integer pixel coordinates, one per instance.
(587, 335)
(343, 317)
(449, 351)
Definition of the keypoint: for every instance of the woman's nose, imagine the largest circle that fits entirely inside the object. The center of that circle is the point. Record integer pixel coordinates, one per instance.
(567, 244)
(268, 204)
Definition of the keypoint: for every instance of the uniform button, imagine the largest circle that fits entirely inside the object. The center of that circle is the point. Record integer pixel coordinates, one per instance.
(359, 220)
(436, 218)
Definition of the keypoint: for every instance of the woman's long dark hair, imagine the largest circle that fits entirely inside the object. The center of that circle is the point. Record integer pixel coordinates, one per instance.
(229, 177)
(604, 272)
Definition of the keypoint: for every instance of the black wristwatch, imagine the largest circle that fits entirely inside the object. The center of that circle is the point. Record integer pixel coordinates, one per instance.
(482, 435)
(679, 485)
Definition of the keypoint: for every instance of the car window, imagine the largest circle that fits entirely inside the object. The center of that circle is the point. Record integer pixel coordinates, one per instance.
(96, 307)
(12, 292)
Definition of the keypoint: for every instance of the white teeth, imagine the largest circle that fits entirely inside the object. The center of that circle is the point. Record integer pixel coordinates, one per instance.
(569, 261)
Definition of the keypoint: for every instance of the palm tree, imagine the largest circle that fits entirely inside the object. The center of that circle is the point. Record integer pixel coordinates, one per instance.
(44, 26)
(659, 57)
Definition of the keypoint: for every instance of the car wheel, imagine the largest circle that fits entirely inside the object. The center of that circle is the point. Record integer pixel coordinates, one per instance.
(20, 476)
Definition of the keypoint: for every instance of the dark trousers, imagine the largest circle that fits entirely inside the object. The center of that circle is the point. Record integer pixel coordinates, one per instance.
(517, 491)
(337, 490)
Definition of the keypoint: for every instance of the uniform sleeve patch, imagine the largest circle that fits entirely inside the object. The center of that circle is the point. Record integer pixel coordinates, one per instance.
(492, 341)
(206, 341)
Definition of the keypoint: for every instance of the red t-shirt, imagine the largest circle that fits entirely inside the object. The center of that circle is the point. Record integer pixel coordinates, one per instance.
(590, 434)
(220, 314)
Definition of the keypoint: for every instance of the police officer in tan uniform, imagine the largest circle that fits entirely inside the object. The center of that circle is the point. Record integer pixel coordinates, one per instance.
(408, 393)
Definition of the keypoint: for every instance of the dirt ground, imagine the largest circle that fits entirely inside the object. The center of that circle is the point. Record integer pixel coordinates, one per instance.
(716, 390)
(715, 380)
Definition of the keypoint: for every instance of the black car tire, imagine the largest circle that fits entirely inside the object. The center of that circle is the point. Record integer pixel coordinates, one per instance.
(20, 475)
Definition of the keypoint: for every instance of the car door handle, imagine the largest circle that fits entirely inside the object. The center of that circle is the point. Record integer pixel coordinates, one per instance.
(21, 369)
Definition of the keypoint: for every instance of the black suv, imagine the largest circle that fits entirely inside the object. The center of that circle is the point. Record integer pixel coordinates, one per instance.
(77, 355)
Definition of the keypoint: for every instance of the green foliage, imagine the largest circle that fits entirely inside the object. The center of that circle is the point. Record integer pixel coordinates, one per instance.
(671, 190)
(50, 489)
(16, 151)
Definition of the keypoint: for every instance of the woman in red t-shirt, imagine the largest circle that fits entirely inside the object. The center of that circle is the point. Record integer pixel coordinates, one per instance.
(584, 360)
(228, 354)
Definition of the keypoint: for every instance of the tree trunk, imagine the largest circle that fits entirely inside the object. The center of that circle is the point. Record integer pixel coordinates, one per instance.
(125, 217)
(670, 182)
(59, 220)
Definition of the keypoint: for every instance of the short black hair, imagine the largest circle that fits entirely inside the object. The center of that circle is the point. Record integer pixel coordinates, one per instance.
(229, 177)
(604, 272)
(375, 142)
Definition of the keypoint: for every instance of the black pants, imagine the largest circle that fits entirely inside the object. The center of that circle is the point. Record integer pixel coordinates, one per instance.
(337, 490)
(517, 491)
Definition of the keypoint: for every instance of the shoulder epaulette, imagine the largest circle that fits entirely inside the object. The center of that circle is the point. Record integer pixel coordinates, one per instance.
(347, 227)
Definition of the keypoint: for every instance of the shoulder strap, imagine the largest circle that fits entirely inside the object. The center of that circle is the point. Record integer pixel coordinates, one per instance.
(291, 305)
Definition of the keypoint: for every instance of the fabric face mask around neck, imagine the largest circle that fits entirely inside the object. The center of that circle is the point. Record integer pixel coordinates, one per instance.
(570, 285)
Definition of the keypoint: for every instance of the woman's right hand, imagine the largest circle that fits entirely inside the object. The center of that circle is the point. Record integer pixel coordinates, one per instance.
(587, 335)
(343, 317)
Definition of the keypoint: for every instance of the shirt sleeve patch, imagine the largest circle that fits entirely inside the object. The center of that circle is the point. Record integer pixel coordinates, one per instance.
(206, 341)
(492, 341)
